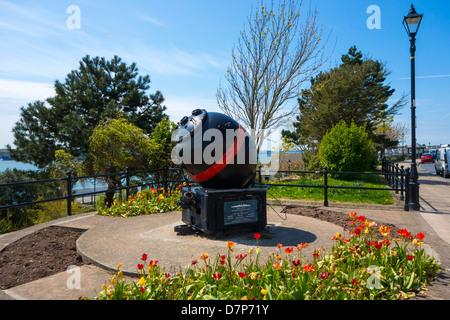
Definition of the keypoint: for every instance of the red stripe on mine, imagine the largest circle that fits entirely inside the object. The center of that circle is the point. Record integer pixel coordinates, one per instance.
(226, 159)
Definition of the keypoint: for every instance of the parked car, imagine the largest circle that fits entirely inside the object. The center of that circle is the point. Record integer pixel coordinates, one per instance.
(433, 153)
(441, 163)
(426, 157)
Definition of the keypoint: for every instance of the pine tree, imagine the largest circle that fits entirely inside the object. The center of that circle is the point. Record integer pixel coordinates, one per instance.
(355, 91)
(96, 90)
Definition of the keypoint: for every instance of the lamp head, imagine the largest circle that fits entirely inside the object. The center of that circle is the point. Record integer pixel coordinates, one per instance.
(411, 22)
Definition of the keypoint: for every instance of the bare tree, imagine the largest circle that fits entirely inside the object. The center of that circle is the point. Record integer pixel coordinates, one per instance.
(396, 132)
(278, 49)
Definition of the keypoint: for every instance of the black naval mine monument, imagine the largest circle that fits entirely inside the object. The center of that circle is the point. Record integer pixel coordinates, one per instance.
(220, 157)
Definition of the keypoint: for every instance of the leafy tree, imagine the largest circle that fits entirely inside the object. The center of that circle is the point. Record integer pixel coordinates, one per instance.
(117, 145)
(162, 135)
(65, 162)
(354, 91)
(161, 156)
(346, 148)
(97, 89)
(277, 51)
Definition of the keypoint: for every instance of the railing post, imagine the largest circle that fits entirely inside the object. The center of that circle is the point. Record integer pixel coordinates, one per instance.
(386, 170)
(166, 177)
(390, 171)
(325, 180)
(95, 189)
(259, 175)
(407, 178)
(402, 180)
(396, 178)
(69, 193)
(127, 184)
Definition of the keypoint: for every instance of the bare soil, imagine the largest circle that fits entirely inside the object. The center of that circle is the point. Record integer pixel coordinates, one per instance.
(337, 218)
(41, 254)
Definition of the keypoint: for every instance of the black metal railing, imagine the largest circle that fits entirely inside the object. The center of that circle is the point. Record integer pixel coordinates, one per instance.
(165, 180)
(396, 177)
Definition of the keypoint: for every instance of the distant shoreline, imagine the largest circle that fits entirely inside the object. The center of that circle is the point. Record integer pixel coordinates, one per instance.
(5, 155)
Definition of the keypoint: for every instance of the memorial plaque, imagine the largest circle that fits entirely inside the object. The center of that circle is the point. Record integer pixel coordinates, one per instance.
(237, 212)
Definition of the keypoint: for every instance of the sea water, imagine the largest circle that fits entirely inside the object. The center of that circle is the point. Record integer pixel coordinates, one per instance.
(12, 164)
(80, 187)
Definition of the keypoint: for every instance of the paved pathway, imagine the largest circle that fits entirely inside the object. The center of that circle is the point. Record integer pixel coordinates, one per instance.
(435, 199)
(110, 241)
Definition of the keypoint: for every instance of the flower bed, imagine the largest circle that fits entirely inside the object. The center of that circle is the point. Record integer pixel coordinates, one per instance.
(365, 263)
(145, 202)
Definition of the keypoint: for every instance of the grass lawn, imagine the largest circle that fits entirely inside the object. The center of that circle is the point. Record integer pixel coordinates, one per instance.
(382, 197)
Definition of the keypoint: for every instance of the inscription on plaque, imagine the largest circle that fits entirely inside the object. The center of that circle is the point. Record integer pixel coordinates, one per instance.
(243, 211)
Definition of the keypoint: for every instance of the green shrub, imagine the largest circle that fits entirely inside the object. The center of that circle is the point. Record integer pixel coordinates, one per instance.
(346, 149)
(48, 211)
(16, 218)
(100, 202)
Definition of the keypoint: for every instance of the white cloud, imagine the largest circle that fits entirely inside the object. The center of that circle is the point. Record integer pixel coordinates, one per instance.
(29, 20)
(180, 106)
(56, 50)
(6, 135)
(13, 95)
(153, 21)
(170, 60)
(426, 77)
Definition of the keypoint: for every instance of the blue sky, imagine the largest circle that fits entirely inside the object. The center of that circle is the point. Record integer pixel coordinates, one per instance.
(185, 47)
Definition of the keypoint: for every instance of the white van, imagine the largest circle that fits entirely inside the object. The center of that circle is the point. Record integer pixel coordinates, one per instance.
(442, 159)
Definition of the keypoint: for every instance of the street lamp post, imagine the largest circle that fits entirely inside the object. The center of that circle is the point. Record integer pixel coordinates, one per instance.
(411, 23)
